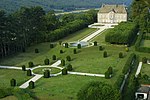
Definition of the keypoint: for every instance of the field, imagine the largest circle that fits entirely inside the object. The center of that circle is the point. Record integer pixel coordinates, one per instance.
(89, 60)
(145, 43)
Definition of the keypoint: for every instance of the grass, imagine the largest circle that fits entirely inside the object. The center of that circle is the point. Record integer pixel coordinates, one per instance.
(41, 70)
(145, 69)
(9, 98)
(145, 43)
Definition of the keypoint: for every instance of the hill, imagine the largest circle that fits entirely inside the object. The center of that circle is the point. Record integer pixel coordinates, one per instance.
(67, 5)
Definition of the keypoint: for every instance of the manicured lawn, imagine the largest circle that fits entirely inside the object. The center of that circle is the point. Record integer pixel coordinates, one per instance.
(145, 69)
(145, 43)
(41, 70)
(6, 75)
(9, 98)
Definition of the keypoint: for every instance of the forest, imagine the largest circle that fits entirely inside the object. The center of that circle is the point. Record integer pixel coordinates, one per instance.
(29, 26)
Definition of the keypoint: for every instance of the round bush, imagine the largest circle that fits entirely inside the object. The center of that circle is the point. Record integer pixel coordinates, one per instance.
(36, 50)
(46, 74)
(13, 82)
(95, 43)
(64, 71)
(79, 46)
(63, 62)
(100, 48)
(51, 45)
(54, 57)
(61, 51)
(127, 49)
(66, 45)
(120, 55)
(46, 61)
(68, 58)
(105, 54)
(23, 68)
(31, 85)
(31, 64)
(29, 73)
(74, 51)
(69, 67)
(144, 60)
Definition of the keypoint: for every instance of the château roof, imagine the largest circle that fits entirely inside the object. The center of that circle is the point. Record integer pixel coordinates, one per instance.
(114, 8)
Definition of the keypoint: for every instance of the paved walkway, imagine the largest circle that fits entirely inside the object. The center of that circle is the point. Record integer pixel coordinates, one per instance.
(12, 67)
(86, 74)
(138, 69)
(148, 62)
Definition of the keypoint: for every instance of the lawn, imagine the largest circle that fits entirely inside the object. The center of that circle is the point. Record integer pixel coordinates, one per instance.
(145, 69)
(145, 43)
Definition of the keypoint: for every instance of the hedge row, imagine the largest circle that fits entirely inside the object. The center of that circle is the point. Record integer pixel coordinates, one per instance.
(119, 81)
(138, 47)
(124, 33)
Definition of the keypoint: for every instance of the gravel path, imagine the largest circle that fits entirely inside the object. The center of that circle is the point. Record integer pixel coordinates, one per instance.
(138, 69)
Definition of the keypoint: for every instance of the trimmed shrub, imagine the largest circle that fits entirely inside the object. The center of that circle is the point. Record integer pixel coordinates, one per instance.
(46, 61)
(110, 70)
(54, 57)
(69, 67)
(61, 51)
(144, 60)
(127, 49)
(105, 54)
(60, 42)
(68, 58)
(23, 68)
(107, 74)
(29, 73)
(63, 62)
(120, 55)
(46, 74)
(13, 82)
(95, 43)
(79, 46)
(66, 45)
(36, 50)
(31, 85)
(31, 64)
(51, 45)
(100, 48)
(74, 51)
(64, 71)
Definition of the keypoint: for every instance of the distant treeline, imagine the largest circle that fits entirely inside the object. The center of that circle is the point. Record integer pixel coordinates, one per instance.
(29, 26)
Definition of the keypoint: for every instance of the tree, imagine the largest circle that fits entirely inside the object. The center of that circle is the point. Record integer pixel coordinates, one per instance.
(46, 61)
(36, 50)
(31, 85)
(63, 62)
(54, 57)
(69, 67)
(31, 64)
(13, 82)
(120, 55)
(68, 58)
(74, 51)
(23, 67)
(29, 73)
(64, 71)
(105, 54)
(46, 74)
(66, 45)
(95, 43)
(79, 46)
(98, 91)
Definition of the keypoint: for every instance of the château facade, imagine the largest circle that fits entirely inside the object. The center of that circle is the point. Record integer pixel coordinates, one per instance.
(112, 14)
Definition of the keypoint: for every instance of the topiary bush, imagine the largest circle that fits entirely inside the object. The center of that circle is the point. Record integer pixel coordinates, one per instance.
(66, 45)
(69, 67)
(29, 73)
(31, 85)
(63, 62)
(54, 57)
(100, 48)
(127, 49)
(46, 61)
(51, 45)
(13, 82)
(79, 46)
(74, 51)
(23, 68)
(60, 42)
(95, 43)
(105, 54)
(107, 74)
(120, 55)
(110, 70)
(61, 51)
(144, 60)
(64, 71)
(46, 74)
(31, 64)
(36, 50)
(68, 58)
